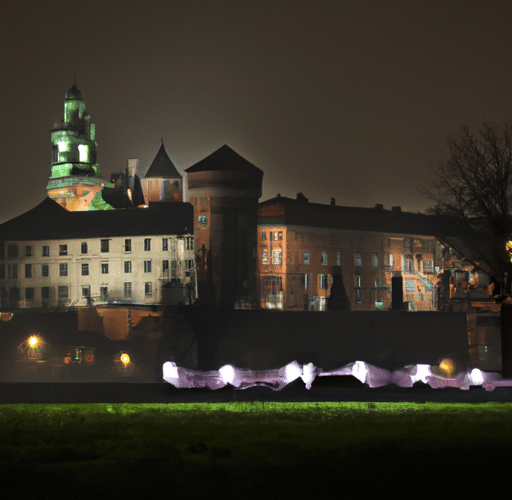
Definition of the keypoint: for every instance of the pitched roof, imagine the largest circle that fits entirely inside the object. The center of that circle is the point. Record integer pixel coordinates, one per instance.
(50, 221)
(301, 212)
(162, 166)
(224, 159)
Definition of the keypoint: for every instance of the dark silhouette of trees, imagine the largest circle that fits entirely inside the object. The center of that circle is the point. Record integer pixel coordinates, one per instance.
(474, 183)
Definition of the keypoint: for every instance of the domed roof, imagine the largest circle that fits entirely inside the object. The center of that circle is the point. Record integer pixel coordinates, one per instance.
(74, 94)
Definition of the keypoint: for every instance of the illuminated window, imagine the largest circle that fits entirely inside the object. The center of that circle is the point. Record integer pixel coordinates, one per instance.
(306, 279)
(45, 270)
(278, 235)
(277, 257)
(104, 246)
(147, 266)
(127, 266)
(82, 153)
(357, 281)
(63, 249)
(202, 220)
(264, 258)
(428, 266)
(46, 250)
(29, 294)
(358, 260)
(127, 290)
(63, 269)
(323, 281)
(85, 269)
(305, 258)
(127, 245)
(263, 236)
(104, 268)
(148, 292)
(323, 259)
(147, 244)
(28, 270)
(165, 244)
(29, 251)
(409, 286)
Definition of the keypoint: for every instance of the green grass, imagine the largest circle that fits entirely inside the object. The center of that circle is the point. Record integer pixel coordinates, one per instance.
(221, 450)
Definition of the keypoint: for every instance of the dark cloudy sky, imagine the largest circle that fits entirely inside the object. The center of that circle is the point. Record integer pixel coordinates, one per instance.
(345, 99)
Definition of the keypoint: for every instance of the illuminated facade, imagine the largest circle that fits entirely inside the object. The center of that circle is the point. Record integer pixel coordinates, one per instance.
(50, 257)
(74, 182)
(303, 247)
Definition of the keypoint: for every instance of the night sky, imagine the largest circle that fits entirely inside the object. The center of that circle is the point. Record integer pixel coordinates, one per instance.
(351, 100)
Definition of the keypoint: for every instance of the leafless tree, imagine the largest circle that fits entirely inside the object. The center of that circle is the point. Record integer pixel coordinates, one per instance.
(475, 183)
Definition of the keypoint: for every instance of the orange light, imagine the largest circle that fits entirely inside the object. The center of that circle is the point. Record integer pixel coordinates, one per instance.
(124, 358)
(447, 367)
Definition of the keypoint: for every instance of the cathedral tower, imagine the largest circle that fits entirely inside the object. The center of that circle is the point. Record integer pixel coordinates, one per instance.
(74, 181)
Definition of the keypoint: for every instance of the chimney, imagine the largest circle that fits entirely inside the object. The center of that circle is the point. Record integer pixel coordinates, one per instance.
(333, 202)
(396, 210)
(379, 207)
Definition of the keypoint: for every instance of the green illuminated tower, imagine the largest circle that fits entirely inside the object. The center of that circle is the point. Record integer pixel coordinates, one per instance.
(74, 182)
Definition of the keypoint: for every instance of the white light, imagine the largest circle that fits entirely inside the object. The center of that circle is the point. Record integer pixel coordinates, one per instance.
(422, 372)
(170, 370)
(359, 371)
(292, 371)
(477, 377)
(227, 374)
(82, 152)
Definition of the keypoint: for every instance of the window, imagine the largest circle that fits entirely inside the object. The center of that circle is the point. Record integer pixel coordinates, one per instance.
(104, 268)
(306, 281)
(389, 262)
(29, 251)
(358, 296)
(85, 269)
(45, 292)
(14, 293)
(46, 250)
(358, 260)
(357, 281)
(278, 235)
(147, 244)
(263, 236)
(190, 243)
(324, 281)
(2, 271)
(305, 258)
(84, 247)
(165, 244)
(147, 266)
(277, 257)
(45, 270)
(148, 289)
(86, 291)
(410, 286)
(165, 265)
(127, 266)
(202, 220)
(428, 266)
(264, 258)
(127, 245)
(409, 266)
(377, 283)
(375, 260)
(103, 293)
(127, 290)
(29, 294)
(104, 246)
(323, 259)
(12, 251)
(63, 269)
(13, 271)
(338, 258)
(28, 270)
(63, 249)
(63, 292)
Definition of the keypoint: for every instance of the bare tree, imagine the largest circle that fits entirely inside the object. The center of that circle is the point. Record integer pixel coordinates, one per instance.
(475, 183)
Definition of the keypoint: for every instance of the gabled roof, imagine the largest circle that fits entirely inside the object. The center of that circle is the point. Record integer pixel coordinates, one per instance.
(224, 159)
(300, 212)
(50, 221)
(162, 166)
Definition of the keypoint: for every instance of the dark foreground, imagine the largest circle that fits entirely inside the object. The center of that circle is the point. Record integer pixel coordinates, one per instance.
(76, 392)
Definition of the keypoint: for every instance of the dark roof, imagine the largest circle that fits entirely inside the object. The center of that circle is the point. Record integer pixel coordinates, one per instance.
(224, 159)
(49, 220)
(73, 93)
(162, 166)
(283, 210)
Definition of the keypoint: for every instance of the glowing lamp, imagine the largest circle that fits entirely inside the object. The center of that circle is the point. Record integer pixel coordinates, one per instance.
(125, 359)
(447, 367)
(33, 341)
(477, 377)
(227, 374)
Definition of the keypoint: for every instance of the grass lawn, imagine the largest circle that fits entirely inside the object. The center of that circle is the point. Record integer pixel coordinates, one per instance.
(254, 450)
